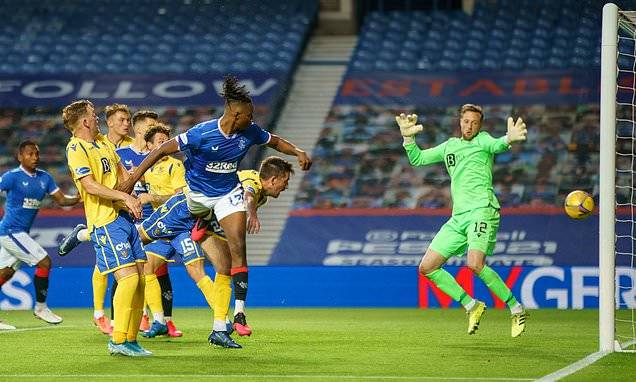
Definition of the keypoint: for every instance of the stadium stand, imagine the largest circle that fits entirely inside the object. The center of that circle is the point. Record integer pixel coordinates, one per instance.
(359, 159)
(148, 36)
(141, 38)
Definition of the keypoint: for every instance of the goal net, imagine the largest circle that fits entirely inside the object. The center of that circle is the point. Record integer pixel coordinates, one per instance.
(617, 242)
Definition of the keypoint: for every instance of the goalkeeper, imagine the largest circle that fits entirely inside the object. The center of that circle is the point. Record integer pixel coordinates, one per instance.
(475, 218)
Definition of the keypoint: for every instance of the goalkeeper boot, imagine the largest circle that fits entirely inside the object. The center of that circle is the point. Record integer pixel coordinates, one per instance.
(241, 326)
(474, 316)
(518, 324)
(137, 350)
(103, 324)
(198, 231)
(172, 329)
(157, 329)
(70, 241)
(222, 339)
(121, 348)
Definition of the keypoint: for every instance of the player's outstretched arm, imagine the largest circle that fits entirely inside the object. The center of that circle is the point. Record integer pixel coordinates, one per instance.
(408, 127)
(167, 148)
(517, 131)
(284, 146)
(65, 200)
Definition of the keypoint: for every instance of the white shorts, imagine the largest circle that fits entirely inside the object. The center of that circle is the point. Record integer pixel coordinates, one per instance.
(222, 206)
(20, 247)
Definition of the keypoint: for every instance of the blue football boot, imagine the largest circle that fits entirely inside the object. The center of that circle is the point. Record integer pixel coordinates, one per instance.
(157, 329)
(122, 349)
(222, 339)
(137, 350)
(70, 241)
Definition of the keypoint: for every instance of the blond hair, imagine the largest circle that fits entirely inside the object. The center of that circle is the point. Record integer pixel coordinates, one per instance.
(73, 112)
(114, 108)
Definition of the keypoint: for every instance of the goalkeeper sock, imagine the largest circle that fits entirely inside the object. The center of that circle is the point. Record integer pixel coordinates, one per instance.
(100, 284)
(221, 300)
(123, 306)
(497, 286)
(447, 284)
(207, 288)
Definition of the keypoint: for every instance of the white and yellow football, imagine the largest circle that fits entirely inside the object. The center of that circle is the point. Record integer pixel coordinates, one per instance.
(579, 204)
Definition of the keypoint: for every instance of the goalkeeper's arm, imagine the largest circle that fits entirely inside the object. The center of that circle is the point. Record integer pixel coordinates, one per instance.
(417, 157)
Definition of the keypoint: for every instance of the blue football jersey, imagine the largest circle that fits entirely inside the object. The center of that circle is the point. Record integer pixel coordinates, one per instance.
(24, 196)
(212, 158)
(132, 158)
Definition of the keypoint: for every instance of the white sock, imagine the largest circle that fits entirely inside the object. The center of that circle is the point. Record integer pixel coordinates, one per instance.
(146, 311)
(168, 318)
(82, 235)
(158, 317)
(239, 306)
(97, 314)
(517, 309)
(470, 305)
(40, 305)
(112, 322)
(219, 326)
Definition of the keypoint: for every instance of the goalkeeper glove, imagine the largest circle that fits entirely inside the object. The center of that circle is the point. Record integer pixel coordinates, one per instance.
(408, 127)
(516, 131)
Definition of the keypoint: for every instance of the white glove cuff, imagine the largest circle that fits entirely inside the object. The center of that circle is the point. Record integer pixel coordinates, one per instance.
(507, 139)
(408, 141)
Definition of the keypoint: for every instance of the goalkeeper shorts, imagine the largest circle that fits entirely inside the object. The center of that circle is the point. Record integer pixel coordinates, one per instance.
(470, 230)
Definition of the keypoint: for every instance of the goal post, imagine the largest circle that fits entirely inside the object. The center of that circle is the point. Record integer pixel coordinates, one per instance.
(617, 189)
(607, 171)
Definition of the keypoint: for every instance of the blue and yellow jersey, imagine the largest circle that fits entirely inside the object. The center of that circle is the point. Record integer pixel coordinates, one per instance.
(127, 141)
(166, 177)
(98, 159)
(251, 182)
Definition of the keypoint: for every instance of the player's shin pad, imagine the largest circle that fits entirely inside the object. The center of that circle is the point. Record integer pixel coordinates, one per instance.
(222, 295)
(153, 293)
(126, 289)
(206, 285)
(137, 311)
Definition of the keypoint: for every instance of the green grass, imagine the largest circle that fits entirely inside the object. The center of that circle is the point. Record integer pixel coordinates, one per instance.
(318, 345)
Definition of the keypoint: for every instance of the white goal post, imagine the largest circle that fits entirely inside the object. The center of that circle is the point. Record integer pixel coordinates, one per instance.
(617, 172)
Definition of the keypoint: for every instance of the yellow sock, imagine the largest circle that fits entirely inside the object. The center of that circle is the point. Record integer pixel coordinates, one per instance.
(126, 289)
(137, 311)
(100, 283)
(153, 293)
(221, 296)
(207, 288)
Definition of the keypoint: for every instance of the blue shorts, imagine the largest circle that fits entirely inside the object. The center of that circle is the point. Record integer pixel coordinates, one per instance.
(182, 245)
(214, 229)
(169, 220)
(117, 245)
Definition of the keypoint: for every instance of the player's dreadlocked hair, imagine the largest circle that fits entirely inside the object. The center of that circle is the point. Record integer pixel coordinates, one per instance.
(233, 92)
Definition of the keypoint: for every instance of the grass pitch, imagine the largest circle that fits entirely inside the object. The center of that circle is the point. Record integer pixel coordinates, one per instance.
(318, 345)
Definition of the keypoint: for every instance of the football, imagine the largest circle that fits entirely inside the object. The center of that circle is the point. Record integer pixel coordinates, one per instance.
(579, 204)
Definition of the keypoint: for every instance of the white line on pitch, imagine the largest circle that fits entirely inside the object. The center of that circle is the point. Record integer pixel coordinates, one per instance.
(573, 368)
(267, 376)
(38, 328)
